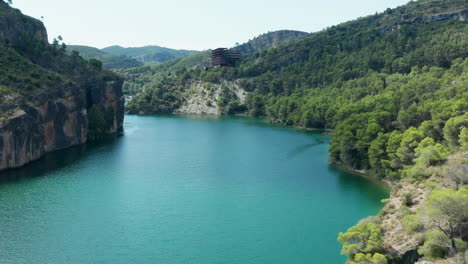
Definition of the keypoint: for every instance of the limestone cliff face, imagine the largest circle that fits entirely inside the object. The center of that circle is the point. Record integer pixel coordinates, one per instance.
(269, 40)
(55, 122)
(12, 25)
(34, 122)
(204, 98)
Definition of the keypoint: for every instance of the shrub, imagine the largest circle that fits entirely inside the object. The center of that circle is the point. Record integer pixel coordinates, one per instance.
(436, 246)
(96, 64)
(403, 210)
(361, 258)
(96, 124)
(412, 223)
(408, 199)
(362, 238)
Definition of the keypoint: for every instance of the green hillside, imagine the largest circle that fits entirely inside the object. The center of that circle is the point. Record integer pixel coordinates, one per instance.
(269, 40)
(109, 61)
(137, 78)
(149, 54)
(393, 90)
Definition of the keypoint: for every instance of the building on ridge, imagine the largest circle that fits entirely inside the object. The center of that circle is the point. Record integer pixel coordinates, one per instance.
(224, 57)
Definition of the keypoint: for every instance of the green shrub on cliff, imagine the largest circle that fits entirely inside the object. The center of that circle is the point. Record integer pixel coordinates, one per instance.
(463, 138)
(435, 246)
(96, 64)
(362, 238)
(376, 258)
(456, 171)
(453, 129)
(448, 212)
(110, 117)
(412, 223)
(97, 125)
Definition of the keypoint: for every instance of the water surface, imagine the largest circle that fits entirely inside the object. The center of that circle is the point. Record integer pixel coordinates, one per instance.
(181, 190)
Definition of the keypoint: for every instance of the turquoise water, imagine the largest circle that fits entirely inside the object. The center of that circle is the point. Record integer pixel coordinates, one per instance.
(179, 190)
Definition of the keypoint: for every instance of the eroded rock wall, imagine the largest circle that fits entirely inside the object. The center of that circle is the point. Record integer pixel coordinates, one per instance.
(56, 122)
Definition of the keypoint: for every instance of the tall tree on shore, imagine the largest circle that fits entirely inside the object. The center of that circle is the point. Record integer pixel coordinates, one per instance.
(448, 210)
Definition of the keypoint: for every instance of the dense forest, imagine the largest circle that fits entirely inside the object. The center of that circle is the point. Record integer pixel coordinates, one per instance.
(138, 78)
(268, 40)
(148, 55)
(392, 88)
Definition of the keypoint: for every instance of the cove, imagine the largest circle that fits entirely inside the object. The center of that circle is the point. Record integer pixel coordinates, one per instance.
(185, 189)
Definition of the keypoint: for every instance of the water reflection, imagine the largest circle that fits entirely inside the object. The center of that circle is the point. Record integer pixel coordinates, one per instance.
(302, 148)
(350, 182)
(51, 162)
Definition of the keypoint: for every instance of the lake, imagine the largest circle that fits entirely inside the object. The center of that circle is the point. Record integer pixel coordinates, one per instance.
(185, 189)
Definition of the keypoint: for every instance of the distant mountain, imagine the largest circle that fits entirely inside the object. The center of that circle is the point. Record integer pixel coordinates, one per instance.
(262, 42)
(109, 61)
(269, 40)
(137, 78)
(149, 54)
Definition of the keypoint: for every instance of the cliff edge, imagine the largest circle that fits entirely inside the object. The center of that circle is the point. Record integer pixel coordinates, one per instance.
(49, 100)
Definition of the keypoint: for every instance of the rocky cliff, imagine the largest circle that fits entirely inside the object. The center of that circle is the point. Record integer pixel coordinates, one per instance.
(269, 40)
(15, 27)
(45, 95)
(213, 99)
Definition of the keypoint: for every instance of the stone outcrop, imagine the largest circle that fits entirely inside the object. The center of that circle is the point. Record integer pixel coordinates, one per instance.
(56, 122)
(54, 117)
(460, 15)
(269, 40)
(202, 98)
(12, 26)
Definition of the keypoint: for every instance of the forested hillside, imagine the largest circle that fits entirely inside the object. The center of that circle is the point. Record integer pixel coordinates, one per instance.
(109, 61)
(269, 40)
(116, 57)
(149, 54)
(393, 88)
(392, 62)
(140, 77)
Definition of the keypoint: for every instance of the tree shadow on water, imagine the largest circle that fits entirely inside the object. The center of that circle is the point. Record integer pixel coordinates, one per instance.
(351, 182)
(302, 148)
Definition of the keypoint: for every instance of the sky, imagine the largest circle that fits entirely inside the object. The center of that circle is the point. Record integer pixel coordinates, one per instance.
(189, 24)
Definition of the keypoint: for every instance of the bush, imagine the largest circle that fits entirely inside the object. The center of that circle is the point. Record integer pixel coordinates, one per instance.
(371, 220)
(453, 128)
(403, 210)
(436, 246)
(361, 258)
(97, 125)
(408, 199)
(96, 64)
(412, 223)
(362, 238)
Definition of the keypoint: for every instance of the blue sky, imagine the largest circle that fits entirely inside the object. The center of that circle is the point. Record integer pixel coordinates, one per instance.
(184, 24)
